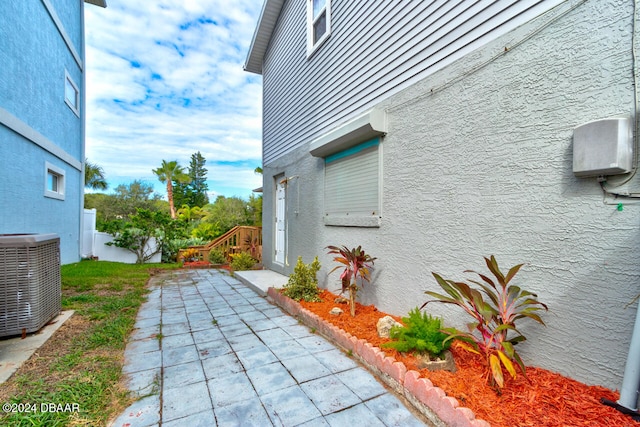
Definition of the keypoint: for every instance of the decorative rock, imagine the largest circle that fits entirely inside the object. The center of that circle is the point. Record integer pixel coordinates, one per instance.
(335, 311)
(385, 324)
(445, 364)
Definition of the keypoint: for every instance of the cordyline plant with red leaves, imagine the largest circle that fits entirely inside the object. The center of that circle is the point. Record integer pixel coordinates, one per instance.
(356, 263)
(493, 333)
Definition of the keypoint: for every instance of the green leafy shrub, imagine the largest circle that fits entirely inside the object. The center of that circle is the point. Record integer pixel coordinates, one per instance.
(171, 247)
(303, 283)
(493, 332)
(242, 261)
(207, 231)
(422, 333)
(136, 234)
(216, 256)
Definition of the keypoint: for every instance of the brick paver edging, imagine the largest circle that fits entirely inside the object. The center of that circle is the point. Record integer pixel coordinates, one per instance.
(431, 401)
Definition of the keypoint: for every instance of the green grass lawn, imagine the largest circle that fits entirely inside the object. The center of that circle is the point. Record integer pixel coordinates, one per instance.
(81, 364)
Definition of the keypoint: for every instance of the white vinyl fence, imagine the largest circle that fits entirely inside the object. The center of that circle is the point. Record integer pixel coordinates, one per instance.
(94, 244)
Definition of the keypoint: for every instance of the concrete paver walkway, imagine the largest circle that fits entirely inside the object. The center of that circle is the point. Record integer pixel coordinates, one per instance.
(207, 351)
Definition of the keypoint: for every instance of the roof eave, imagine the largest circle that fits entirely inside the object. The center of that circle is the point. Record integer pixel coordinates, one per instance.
(262, 35)
(101, 3)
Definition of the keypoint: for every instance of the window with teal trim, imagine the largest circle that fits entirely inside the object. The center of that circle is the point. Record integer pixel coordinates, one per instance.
(352, 186)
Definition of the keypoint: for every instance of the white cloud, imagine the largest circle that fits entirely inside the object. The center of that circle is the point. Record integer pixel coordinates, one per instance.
(164, 80)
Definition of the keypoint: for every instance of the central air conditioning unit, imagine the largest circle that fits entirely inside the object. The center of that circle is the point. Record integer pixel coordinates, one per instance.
(30, 282)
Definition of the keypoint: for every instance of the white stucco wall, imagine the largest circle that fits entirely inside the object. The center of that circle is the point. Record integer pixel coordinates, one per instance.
(478, 161)
(484, 166)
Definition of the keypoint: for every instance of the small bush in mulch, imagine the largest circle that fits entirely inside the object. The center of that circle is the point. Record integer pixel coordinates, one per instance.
(242, 261)
(303, 283)
(216, 256)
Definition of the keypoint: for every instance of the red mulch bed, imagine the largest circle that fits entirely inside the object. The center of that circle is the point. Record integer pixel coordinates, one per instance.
(206, 264)
(549, 400)
(197, 264)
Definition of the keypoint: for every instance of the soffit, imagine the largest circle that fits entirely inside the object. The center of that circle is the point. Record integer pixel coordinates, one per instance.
(262, 35)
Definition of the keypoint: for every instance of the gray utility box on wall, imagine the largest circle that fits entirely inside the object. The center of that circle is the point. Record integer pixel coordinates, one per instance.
(30, 282)
(603, 147)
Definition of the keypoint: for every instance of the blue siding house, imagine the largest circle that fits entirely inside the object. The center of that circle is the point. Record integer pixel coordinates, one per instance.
(42, 119)
(434, 133)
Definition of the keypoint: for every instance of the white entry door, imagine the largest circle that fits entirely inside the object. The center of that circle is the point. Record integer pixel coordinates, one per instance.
(281, 224)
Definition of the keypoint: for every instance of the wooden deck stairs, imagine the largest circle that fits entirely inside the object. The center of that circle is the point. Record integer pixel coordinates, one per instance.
(240, 238)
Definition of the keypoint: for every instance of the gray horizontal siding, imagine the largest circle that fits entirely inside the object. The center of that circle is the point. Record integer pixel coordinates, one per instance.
(376, 48)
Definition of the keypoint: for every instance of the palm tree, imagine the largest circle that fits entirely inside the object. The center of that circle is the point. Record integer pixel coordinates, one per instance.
(167, 173)
(94, 176)
(189, 214)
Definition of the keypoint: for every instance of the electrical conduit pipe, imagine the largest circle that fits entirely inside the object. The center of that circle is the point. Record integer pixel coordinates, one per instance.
(628, 402)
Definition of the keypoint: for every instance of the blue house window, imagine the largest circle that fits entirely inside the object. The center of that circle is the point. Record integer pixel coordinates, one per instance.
(54, 182)
(71, 94)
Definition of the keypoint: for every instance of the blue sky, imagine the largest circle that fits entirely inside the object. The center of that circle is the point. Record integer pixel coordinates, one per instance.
(164, 80)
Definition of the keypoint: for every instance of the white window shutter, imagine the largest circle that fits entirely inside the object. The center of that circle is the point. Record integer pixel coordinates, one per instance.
(351, 184)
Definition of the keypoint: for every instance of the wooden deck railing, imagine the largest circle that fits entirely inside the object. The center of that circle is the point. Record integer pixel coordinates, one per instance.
(239, 239)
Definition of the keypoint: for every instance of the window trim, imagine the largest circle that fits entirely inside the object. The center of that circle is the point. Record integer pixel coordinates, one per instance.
(74, 106)
(311, 46)
(59, 193)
